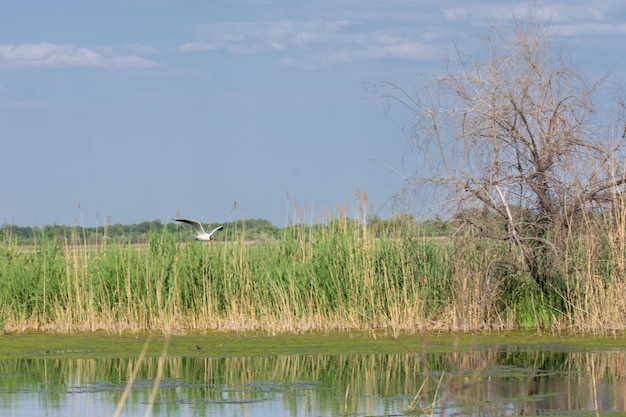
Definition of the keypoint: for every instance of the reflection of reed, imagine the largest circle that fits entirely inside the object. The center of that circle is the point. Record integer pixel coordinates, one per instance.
(515, 379)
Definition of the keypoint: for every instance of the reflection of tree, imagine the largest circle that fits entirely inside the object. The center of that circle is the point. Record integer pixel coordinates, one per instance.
(486, 381)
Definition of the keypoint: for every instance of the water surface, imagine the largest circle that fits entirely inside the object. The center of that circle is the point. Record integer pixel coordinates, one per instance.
(310, 375)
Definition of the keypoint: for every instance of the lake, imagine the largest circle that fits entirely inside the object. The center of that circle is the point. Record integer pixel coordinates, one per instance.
(342, 374)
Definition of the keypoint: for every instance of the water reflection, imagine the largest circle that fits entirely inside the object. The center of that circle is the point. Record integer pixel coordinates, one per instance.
(490, 382)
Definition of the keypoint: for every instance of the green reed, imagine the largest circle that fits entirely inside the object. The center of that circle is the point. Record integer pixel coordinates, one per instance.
(336, 275)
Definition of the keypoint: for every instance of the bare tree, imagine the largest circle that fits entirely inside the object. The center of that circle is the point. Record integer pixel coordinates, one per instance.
(518, 133)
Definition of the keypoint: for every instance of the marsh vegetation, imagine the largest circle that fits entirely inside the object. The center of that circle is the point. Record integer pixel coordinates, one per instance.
(339, 274)
(514, 141)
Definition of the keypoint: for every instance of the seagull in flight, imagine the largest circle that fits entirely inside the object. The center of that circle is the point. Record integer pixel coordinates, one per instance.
(197, 226)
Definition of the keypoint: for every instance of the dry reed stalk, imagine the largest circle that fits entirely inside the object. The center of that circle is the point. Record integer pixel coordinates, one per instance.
(131, 379)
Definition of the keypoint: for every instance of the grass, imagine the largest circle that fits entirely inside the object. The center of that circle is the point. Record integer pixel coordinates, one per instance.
(339, 276)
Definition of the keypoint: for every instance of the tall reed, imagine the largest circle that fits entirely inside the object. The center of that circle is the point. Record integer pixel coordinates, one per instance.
(338, 274)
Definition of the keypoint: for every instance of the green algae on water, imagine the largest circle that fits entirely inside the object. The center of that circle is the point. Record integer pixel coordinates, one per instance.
(221, 344)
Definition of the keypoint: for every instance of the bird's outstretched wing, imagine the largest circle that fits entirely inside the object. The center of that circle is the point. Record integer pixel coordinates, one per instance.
(216, 229)
(197, 226)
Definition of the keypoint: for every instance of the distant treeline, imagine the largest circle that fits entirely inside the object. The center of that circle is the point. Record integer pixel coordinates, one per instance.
(248, 229)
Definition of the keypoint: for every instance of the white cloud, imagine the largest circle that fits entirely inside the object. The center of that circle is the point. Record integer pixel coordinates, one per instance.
(554, 11)
(199, 46)
(249, 37)
(455, 13)
(312, 43)
(408, 29)
(50, 55)
(140, 49)
(592, 29)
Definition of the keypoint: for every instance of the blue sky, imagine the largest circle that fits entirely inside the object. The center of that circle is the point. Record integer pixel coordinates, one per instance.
(123, 111)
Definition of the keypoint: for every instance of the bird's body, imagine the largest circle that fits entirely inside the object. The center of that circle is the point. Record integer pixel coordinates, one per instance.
(197, 226)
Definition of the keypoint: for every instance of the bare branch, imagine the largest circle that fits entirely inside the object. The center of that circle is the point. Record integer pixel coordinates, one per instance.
(519, 135)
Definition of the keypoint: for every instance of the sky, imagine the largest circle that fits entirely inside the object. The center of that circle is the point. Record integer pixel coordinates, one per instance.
(123, 111)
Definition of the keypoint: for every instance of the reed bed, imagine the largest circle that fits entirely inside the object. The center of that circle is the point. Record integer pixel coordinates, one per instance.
(337, 276)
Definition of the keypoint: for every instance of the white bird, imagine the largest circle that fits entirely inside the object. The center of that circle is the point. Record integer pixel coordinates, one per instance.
(197, 226)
